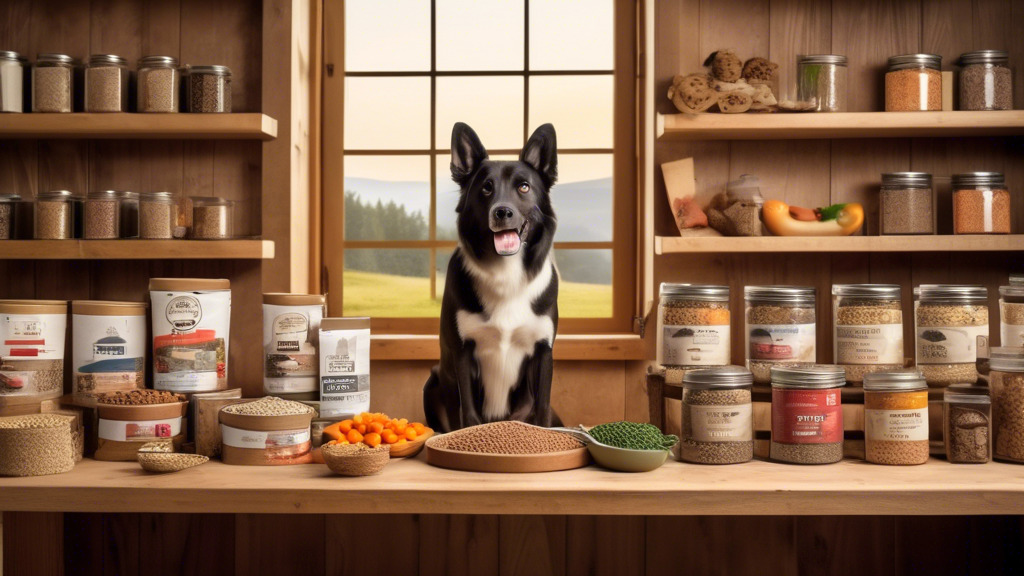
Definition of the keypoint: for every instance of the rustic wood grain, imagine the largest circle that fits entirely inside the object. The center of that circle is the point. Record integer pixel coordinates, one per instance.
(532, 545)
(187, 544)
(797, 27)
(846, 545)
(458, 545)
(33, 543)
(281, 545)
(606, 545)
(348, 553)
(712, 545)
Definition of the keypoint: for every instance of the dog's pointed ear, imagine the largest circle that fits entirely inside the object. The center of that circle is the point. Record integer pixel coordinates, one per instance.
(467, 153)
(541, 152)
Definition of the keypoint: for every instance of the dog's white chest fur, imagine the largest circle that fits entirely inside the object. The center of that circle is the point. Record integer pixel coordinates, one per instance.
(508, 330)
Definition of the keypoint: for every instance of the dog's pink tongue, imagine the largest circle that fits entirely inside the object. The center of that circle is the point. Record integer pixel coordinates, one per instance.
(506, 243)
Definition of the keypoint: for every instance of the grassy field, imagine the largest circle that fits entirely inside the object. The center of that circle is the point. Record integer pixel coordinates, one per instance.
(385, 295)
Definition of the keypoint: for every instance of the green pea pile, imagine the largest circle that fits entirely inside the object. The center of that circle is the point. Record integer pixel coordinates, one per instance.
(633, 436)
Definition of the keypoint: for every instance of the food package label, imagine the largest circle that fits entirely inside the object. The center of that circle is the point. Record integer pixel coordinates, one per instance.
(142, 430)
(238, 438)
(953, 345)
(790, 342)
(806, 416)
(344, 372)
(291, 338)
(108, 353)
(190, 340)
(869, 344)
(721, 423)
(695, 346)
(32, 336)
(902, 425)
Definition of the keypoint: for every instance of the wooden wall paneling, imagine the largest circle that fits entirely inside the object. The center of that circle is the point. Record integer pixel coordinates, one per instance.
(590, 393)
(932, 545)
(637, 403)
(187, 544)
(236, 174)
(286, 544)
(1017, 54)
(42, 533)
(677, 40)
(532, 545)
(943, 32)
(721, 545)
(737, 24)
(116, 28)
(797, 27)
(391, 548)
(162, 161)
(846, 545)
(100, 543)
(458, 545)
(605, 545)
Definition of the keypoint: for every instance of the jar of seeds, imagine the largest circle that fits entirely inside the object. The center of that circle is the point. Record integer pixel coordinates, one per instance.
(102, 216)
(981, 203)
(54, 215)
(967, 424)
(158, 84)
(821, 79)
(158, 215)
(211, 218)
(913, 82)
(906, 203)
(780, 328)
(693, 326)
(8, 215)
(12, 79)
(807, 414)
(1011, 315)
(129, 213)
(106, 84)
(717, 424)
(896, 418)
(949, 321)
(986, 81)
(867, 329)
(1006, 380)
(53, 83)
(209, 89)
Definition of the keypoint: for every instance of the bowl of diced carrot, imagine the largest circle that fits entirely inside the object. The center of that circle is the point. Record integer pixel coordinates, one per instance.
(375, 429)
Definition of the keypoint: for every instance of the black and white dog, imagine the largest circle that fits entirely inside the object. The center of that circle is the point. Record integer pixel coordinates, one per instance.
(500, 311)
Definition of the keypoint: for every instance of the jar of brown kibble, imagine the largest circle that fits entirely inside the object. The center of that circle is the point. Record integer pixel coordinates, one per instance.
(717, 423)
(158, 84)
(102, 216)
(780, 328)
(53, 83)
(981, 203)
(8, 215)
(129, 213)
(906, 203)
(1006, 381)
(158, 215)
(896, 418)
(209, 89)
(693, 326)
(913, 82)
(986, 81)
(867, 329)
(967, 424)
(54, 215)
(949, 320)
(807, 414)
(211, 218)
(106, 84)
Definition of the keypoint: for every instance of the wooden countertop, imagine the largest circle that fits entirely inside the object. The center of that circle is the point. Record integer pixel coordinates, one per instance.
(413, 487)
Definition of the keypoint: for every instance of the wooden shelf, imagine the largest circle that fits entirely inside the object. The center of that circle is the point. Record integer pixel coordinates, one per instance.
(717, 244)
(248, 126)
(567, 347)
(241, 249)
(785, 126)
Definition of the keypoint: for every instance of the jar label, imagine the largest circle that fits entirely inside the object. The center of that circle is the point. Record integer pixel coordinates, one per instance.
(806, 416)
(108, 353)
(695, 346)
(124, 431)
(957, 345)
(344, 372)
(1012, 335)
(781, 342)
(721, 423)
(902, 425)
(869, 344)
(291, 336)
(32, 336)
(238, 438)
(190, 340)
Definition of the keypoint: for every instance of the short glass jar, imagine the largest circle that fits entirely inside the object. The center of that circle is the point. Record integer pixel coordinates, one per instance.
(53, 83)
(906, 203)
(1011, 315)
(867, 329)
(158, 85)
(102, 216)
(780, 328)
(158, 215)
(717, 422)
(209, 89)
(8, 215)
(986, 81)
(896, 418)
(967, 424)
(211, 218)
(129, 213)
(693, 326)
(822, 79)
(807, 414)
(12, 82)
(1006, 381)
(106, 84)
(54, 215)
(948, 322)
(981, 203)
(913, 82)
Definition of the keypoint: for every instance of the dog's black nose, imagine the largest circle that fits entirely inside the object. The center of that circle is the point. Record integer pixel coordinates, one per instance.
(503, 212)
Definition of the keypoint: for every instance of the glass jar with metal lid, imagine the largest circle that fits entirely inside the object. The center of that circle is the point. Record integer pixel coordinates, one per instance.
(896, 418)
(717, 424)
(8, 215)
(102, 215)
(53, 83)
(986, 81)
(1006, 381)
(867, 329)
(693, 326)
(158, 84)
(981, 203)
(780, 328)
(913, 82)
(158, 215)
(949, 321)
(211, 218)
(906, 203)
(106, 84)
(54, 217)
(821, 79)
(129, 213)
(12, 80)
(807, 413)
(1011, 315)
(209, 89)
(967, 424)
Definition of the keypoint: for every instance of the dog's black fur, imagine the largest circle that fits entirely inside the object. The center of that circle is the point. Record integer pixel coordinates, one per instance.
(504, 298)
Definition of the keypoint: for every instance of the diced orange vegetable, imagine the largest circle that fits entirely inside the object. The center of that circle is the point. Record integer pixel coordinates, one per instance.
(357, 419)
(361, 428)
(354, 436)
(389, 437)
(400, 429)
(403, 422)
(402, 441)
(375, 427)
(345, 425)
(420, 428)
(410, 433)
(335, 431)
(372, 439)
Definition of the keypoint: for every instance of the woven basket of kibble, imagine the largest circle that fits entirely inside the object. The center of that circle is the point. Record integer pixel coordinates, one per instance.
(36, 445)
(163, 462)
(356, 459)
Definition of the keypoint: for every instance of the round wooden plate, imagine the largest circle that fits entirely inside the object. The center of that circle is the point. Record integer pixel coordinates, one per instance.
(411, 448)
(513, 463)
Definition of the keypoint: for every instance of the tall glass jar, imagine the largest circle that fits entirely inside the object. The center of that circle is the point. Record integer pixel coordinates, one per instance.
(211, 218)
(867, 329)
(913, 82)
(986, 81)
(8, 216)
(896, 418)
(693, 327)
(780, 328)
(209, 89)
(1006, 381)
(102, 216)
(1011, 315)
(981, 203)
(129, 213)
(717, 423)
(822, 79)
(12, 78)
(106, 84)
(158, 215)
(949, 320)
(807, 414)
(54, 217)
(53, 83)
(906, 203)
(158, 84)
(967, 424)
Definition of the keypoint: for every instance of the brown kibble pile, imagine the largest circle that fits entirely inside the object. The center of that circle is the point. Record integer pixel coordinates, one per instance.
(731, 452)
(157, 219)
(942, 316)
(695, 313)
(158, 90)
(766, 314)
(51, 89)
(269, 406)
(907, 211)
(101, 219)
(53, 220)
(986, 87)
(106, 89)
(854, 312)
(210, 222)
(971, 206)
(807, 453)
(141, 398)
(897, 452)
(903, 90)
(507, 438)
(967, 438)
(1008, 414)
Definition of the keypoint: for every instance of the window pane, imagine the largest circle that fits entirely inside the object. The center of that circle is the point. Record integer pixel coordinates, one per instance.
(386, 283)
(448, 196)
(571, 35)
(583, 198)
(475, 35)
(387, 35)
(387, 197)
(586, 287)
(580, 107)
(492, 105)
(387, 113)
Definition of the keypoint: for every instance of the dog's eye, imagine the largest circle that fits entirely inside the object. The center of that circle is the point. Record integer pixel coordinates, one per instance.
(488, 188)
(524, 188)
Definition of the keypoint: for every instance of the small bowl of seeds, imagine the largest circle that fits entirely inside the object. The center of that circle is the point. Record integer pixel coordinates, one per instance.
(356, 459)
(160, 458)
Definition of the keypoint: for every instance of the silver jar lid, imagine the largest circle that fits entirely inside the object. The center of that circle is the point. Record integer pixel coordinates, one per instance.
(811, 376)
(978, 179)
(107, 59)
(8, 55)
(905, 61)
(4, 198)
(985, 57)
(953, 293)
(834, 59)
(103, 195)
(967, 394)
(214, 70)
(780, 294)
(157, 197)
(54, 58)
(55, 195)
(908, 380)
(704, 292)
(873, 291)
(158, 62)
(718, 377)
(908, 179)
(1012, 291)
(1006, 359)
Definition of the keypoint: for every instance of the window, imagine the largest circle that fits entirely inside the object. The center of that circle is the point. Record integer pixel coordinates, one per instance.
(401, 73)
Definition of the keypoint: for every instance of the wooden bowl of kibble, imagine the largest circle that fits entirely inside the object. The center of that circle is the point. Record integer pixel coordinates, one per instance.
(356, 459)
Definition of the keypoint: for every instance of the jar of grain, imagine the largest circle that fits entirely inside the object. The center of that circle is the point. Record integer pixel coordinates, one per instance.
(102, 216)
(867, 329)
(53, 83)
(106, 84)
(158, 215)
(8, 215)
(54, 215)
(211, 218)
(896, 418)
(129, 213)
(981, 203)
(967, 424)
(949, 321)
(12, 78)
(1011, 315)
(717, 424)
(780, 328)
(807, 414)
(158, 84)
(209, 89)
(1006, 381)
(693, 326)
(906, 203)
(986, 81)
(913, 82)
(821, 79)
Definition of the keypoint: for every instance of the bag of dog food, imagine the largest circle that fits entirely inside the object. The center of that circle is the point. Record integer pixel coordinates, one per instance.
(291, 335)
(344, 367)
